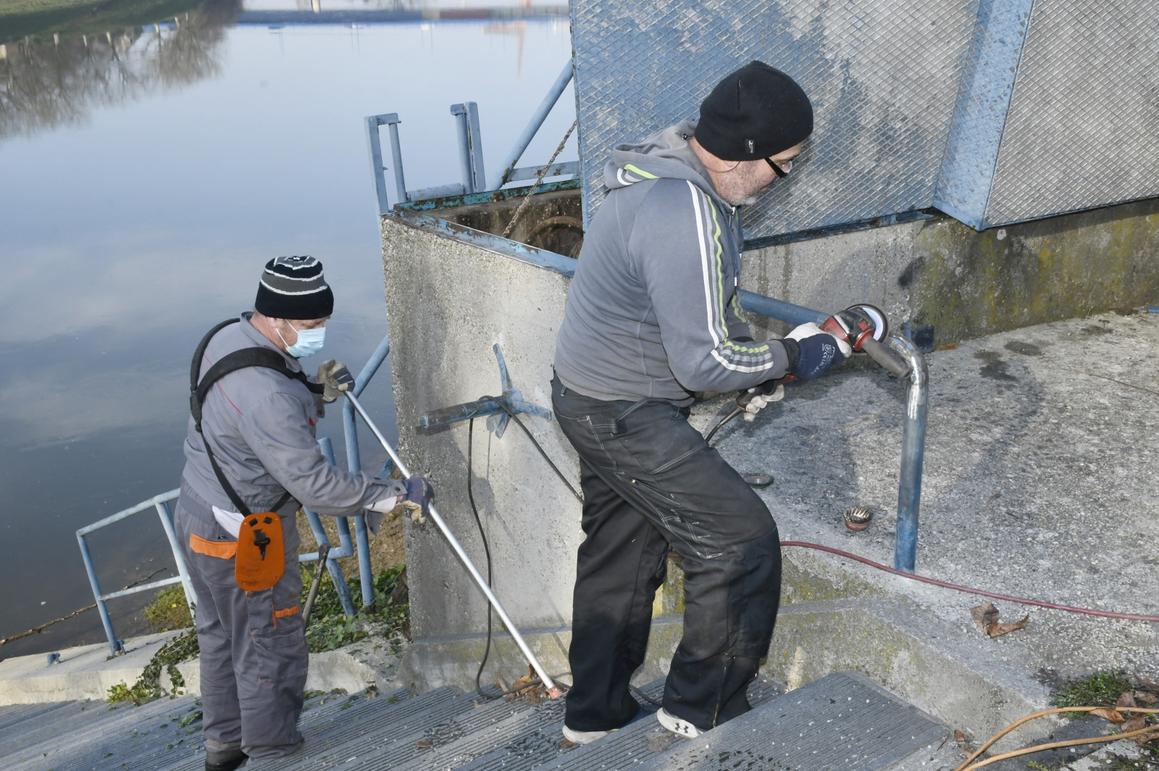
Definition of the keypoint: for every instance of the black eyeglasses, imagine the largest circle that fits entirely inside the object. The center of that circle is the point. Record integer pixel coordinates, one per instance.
(781, 170)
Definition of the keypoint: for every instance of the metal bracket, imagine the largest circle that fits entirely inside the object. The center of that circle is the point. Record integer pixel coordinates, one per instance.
(498, 408)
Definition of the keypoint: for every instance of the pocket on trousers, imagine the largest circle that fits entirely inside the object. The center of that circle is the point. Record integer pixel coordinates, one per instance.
(656, 436)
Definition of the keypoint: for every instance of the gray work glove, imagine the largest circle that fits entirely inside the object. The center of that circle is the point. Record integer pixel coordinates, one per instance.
(416, 495)
(334, 376)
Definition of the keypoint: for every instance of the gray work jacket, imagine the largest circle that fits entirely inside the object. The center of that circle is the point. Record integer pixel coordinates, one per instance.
(262, 428)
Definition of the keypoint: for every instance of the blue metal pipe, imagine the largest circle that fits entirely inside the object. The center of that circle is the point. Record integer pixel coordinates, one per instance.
(114, 644)
(533, 126)
(354, 463)
(779, 309)
(178, 554)
(332, 565)
(913, 447)
(914, 431)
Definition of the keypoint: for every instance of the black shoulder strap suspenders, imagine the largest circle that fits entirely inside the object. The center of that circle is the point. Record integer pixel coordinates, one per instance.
(199, 389)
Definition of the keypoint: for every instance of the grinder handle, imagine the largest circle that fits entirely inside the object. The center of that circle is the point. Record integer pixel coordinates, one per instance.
(883, 356)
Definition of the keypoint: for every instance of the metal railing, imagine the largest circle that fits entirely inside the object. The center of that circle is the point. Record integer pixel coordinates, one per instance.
(348, 545)
(470, 142)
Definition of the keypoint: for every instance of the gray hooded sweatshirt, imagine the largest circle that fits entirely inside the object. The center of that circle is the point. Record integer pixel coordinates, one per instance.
(652, 311)
(262, 426)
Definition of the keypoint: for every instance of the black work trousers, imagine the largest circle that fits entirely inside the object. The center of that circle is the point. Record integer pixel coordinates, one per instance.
(651, 483)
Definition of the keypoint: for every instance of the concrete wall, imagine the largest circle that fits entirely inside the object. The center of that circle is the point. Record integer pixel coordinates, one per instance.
(952, 283)
(449, 302)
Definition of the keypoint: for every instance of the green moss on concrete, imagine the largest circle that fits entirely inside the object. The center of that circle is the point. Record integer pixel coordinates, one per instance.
(968, 284)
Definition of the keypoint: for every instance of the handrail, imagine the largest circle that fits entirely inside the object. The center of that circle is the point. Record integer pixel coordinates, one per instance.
(913, 430)
(161, 504)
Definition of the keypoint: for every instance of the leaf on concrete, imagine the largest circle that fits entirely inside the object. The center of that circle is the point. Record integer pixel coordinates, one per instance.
(1112, 715)
(1134, 724)
(960, 736)
(1126, 699)
(986, 617)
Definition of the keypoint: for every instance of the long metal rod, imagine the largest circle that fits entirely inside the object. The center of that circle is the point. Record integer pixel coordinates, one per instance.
(336, 575)
(533, 126)
(462, 555)
(913, 444)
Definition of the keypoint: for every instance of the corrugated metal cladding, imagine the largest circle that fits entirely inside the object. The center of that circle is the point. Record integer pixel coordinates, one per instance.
(994, 111)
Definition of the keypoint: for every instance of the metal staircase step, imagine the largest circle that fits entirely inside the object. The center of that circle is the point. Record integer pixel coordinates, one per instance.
(541, 739)
(421, 737)
(25, 725)
(376, 727)
(101, 737)
(842, 722)
(639, 742)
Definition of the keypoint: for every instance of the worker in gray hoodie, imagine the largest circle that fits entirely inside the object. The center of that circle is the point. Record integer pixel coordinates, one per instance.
(652, 318)
(252, 460)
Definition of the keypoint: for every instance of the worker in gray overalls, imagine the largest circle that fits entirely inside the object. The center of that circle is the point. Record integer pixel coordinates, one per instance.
(252, 460)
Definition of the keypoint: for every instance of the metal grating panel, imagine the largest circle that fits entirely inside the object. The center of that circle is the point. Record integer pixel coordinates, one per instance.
(878, 88)
(995, 111)
(1082, 128)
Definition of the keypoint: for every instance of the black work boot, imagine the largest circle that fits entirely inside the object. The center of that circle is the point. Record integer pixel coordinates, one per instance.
(224, 760)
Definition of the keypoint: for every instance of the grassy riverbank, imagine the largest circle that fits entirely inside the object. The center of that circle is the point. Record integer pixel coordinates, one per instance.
(42, 18)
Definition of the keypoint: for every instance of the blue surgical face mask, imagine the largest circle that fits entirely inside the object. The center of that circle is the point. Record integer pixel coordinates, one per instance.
(310, 341)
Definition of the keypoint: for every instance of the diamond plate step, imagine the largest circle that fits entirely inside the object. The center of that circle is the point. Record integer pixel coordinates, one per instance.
(540, 743)
(842, 722)
(639, 742)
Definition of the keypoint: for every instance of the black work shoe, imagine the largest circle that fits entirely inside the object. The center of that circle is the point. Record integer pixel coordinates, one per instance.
(224, 760)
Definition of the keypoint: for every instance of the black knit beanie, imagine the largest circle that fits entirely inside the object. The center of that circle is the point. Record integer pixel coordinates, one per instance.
(755, 112)
(294, 288)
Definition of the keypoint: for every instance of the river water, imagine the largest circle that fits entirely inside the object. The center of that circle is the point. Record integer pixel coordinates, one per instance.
(145, 178)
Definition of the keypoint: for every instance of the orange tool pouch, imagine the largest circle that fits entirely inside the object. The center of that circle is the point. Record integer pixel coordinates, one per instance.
(261, 556)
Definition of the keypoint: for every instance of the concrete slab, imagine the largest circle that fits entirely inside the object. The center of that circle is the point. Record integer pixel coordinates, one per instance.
(87, 672)
(1039, 482)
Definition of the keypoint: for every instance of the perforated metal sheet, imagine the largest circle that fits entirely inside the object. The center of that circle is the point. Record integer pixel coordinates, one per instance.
(969, 105)
(1083, 127)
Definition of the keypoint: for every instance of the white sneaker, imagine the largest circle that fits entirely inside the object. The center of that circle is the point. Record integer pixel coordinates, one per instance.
(583, 737)
(677, 725)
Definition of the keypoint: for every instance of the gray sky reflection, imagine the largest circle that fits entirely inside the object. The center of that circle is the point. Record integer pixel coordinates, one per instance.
(130, 233)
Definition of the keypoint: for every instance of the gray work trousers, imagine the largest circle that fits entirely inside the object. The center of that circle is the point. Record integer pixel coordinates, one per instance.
(253, 644)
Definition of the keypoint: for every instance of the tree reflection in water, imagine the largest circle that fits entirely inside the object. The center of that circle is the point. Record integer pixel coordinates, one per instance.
(51, 81)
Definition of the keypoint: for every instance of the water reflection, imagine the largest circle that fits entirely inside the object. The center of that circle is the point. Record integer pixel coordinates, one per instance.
(137, 220)
(50, 81)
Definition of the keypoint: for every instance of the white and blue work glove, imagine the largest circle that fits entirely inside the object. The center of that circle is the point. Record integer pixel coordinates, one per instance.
(335, 378)
(816, 351)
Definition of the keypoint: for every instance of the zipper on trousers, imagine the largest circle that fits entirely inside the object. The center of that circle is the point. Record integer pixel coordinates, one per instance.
(720, 691)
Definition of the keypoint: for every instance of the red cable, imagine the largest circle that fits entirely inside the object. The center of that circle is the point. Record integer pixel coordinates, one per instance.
(968, 590)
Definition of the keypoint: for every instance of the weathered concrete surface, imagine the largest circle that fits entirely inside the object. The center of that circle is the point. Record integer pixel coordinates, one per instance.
(952, 283)
(449, 303)
(1038, 478)
(87, 672)
(84, 672)
(1039, 482)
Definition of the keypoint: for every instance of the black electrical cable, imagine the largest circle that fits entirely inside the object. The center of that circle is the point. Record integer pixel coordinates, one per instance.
(546, 457)
(486, 549)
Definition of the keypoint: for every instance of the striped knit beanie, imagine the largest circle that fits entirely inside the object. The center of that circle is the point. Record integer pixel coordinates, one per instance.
(294, 288)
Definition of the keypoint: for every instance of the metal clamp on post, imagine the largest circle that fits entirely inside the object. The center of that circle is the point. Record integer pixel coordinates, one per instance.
(499, 408)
